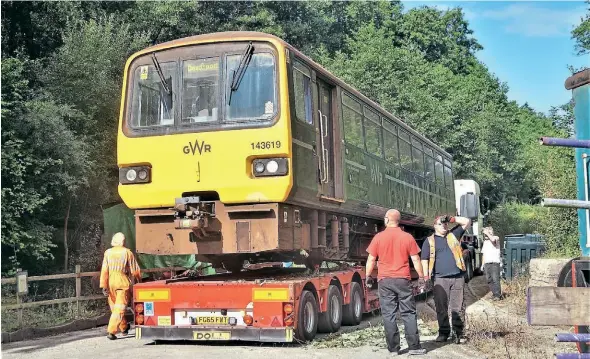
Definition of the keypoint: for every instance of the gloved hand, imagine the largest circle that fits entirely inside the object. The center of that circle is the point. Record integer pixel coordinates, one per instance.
(421, 285)
(447, 219)
(105, 292)
(369, 282)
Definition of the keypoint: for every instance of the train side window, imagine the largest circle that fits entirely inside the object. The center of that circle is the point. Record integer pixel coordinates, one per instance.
(373, 132)
(302, 92)
(429, 167)
(448, 177)
(405, 150)
(438, 167)
(417, 156)
(353, 121)
(390, 142)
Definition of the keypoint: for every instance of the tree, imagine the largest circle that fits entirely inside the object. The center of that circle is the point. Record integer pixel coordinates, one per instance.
(581, 34)
(42, 161)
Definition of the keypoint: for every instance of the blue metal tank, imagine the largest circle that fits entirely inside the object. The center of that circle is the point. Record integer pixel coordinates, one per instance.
(579, 83)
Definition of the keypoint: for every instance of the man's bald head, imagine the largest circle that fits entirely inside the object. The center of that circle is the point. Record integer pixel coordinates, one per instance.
(393, 216)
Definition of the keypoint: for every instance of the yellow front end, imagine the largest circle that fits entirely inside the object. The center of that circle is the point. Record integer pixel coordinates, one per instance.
(213, 158)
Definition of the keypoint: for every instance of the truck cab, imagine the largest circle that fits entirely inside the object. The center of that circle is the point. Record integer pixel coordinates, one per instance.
(469, 204)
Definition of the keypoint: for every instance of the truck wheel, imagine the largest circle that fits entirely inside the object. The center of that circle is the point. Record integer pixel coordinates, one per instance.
(307, 317)
(352, 313)
(331, 320)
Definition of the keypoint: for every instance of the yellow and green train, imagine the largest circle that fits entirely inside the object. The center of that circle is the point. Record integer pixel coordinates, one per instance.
(235, 146)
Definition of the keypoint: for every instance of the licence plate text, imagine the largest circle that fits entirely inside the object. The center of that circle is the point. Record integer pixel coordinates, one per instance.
(211, 335)
(212, 320)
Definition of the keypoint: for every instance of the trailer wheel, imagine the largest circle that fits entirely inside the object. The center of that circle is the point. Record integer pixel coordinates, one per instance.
(352, 313)
(468, 269)
(307, 317)
(331, 320)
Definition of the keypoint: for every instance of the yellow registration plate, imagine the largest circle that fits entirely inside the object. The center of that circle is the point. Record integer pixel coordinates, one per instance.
(212, 320)
(211, 335)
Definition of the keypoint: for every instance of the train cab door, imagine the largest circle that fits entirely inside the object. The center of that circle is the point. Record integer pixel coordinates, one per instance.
(326, 143)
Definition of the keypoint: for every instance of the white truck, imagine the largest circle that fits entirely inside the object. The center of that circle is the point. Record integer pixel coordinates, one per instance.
(469, 204)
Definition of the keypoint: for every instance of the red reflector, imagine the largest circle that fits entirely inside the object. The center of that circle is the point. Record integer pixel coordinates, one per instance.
(275, 322)
(139, 319)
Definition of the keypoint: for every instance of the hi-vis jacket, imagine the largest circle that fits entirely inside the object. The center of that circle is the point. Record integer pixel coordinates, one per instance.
(455, 247)
(118, 266)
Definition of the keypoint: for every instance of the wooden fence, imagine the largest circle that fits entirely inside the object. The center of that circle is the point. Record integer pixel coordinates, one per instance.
(77, 299)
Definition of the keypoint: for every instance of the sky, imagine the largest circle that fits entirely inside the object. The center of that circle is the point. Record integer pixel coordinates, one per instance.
(527, 44)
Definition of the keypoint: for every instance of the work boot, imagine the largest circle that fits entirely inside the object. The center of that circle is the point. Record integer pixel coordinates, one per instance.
(111, 336)
(441, 338)
(126, 331)
(457, 338)
(420, 351)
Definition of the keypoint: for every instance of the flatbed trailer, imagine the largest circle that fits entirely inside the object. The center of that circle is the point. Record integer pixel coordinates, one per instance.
(265, 305)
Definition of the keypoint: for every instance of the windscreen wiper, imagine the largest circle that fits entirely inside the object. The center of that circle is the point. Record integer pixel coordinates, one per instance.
(239, 72)
(161, 74)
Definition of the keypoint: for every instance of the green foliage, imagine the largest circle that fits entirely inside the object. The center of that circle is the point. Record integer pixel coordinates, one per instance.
(582, 34)
(61, 86)
(42, 160)
(516, 218)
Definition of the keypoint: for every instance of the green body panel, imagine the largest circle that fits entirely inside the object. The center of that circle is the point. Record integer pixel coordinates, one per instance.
(372, 174)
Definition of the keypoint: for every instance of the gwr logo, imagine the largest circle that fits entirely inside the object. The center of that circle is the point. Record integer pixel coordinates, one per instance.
(196, 146)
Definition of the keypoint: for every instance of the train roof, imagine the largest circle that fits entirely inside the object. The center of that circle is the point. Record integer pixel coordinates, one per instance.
(255, 35)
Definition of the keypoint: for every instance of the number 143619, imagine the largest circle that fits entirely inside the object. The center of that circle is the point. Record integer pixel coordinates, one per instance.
(265, 145)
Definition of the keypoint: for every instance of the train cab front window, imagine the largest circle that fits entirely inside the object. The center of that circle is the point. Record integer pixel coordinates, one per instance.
(200, 83)
(255, 96)
(203, 88)
(153, 97)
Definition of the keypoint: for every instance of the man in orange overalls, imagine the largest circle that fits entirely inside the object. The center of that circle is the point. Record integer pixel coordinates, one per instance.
(118, 266)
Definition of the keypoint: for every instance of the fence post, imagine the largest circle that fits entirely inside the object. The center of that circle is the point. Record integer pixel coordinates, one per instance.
(18, 301)
(78, 289)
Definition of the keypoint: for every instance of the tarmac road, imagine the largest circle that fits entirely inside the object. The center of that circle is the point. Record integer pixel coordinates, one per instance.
(94, 344)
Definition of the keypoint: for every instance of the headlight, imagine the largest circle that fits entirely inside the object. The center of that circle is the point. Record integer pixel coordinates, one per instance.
(134, 174)
(272, 166)
(259, 167)
(142, 174)
(131, 175)
(265, 167)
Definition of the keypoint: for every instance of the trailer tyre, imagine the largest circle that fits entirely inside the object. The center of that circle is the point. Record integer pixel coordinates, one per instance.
(468, 269)
(352, 313)
(307, 317)
(331, 320)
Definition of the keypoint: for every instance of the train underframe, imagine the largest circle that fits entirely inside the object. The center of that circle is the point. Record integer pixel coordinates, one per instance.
(229, 236)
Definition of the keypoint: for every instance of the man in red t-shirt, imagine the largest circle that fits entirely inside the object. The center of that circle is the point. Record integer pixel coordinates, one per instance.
(394, 248)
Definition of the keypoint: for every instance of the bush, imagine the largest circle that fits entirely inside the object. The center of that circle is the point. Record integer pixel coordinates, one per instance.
(557, 225)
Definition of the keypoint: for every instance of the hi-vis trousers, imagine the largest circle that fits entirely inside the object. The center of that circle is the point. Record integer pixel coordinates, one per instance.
(118, 300)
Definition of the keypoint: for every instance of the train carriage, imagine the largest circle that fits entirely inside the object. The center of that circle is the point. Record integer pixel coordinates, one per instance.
(235, 146)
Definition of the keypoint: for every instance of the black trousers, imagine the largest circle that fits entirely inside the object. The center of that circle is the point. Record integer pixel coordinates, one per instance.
(448, 292)
(396, 294)
(492, 271)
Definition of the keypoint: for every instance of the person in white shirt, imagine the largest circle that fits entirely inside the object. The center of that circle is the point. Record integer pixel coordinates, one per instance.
(491, 262)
